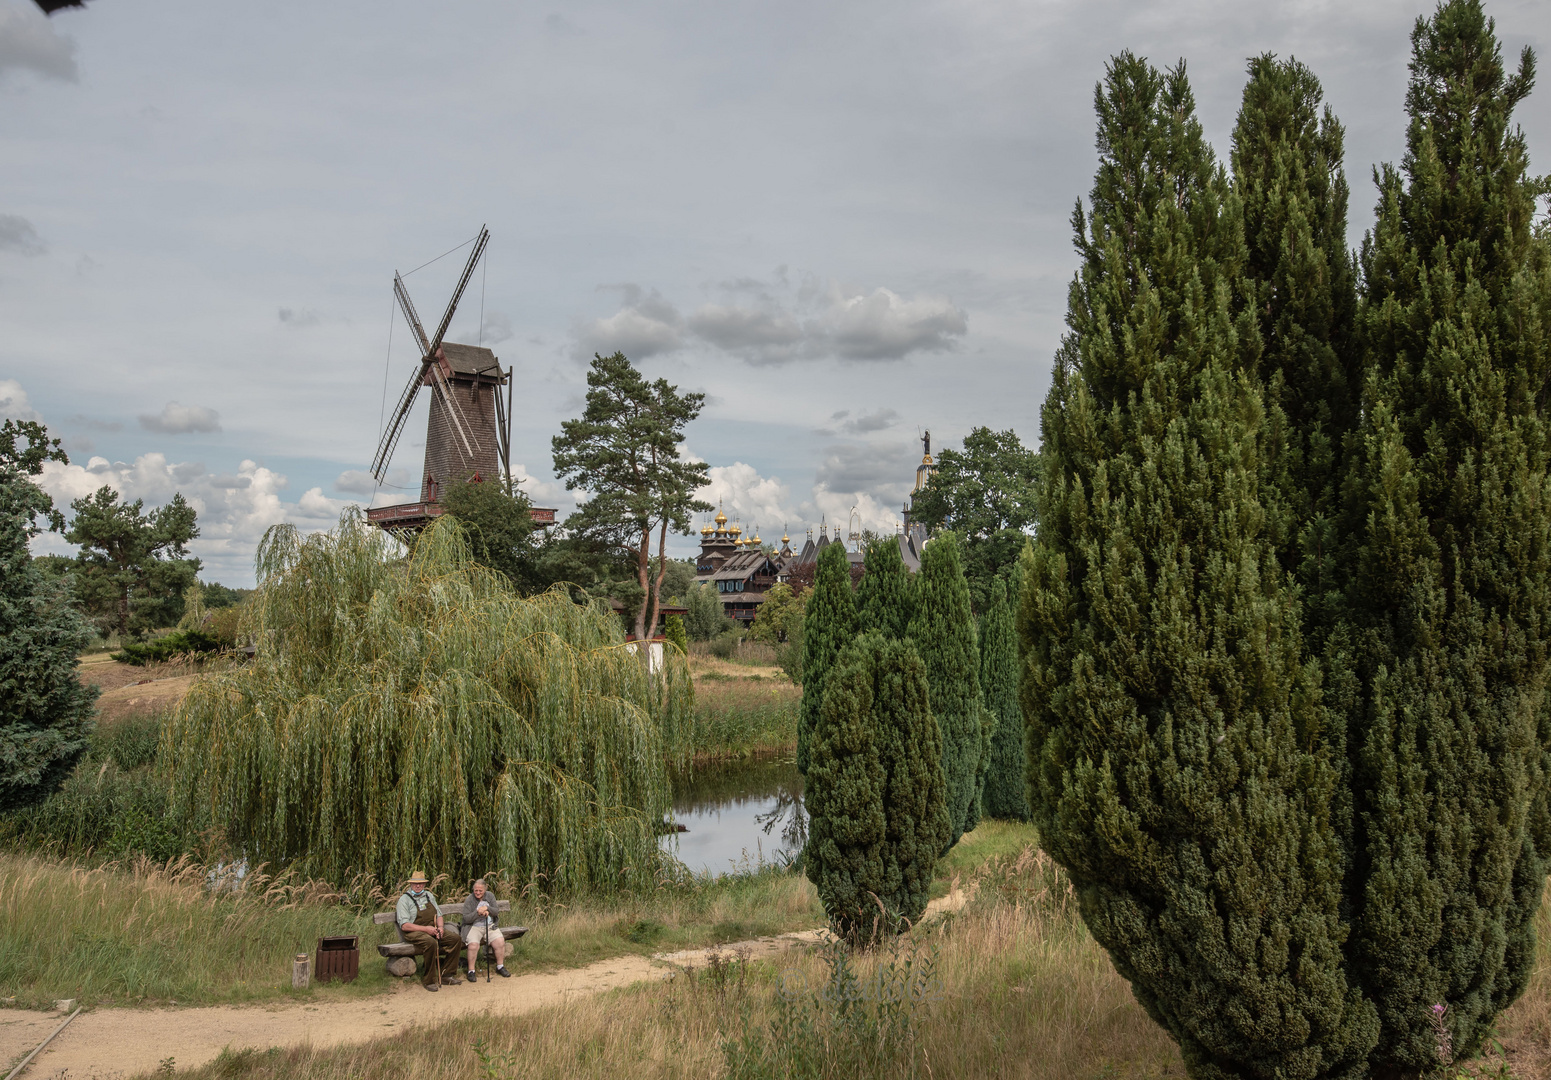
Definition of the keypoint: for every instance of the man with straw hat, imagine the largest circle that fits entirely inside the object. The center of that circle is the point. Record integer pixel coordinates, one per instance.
(421, 925)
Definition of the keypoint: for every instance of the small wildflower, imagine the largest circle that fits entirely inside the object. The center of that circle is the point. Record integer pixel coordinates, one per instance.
(1440, 1028)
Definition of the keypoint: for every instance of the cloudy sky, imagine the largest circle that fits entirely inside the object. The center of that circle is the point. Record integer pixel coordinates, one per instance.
(843, 222)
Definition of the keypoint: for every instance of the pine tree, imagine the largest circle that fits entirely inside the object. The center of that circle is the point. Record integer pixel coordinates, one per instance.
(1451, 576)
(828, 625)
(886, 597)
(1174, 718)
(45, 712)
(1005, 788)
(673, 630)
(875, 793)
(943, 630)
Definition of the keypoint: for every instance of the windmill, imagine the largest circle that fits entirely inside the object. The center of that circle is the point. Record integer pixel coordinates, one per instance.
(468, 436)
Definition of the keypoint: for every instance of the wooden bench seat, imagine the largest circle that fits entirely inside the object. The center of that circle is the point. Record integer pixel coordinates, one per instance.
(404, 948)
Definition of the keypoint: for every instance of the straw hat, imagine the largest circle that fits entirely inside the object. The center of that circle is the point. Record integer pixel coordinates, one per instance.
(419, 878)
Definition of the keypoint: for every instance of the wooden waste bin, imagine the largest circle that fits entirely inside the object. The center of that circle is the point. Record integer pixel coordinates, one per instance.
(338, 958)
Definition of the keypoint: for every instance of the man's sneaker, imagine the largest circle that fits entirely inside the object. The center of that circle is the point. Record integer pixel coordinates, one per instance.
(501, 971)
(471, 976)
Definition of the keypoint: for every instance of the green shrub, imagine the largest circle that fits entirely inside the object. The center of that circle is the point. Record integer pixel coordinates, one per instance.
(725, 646)
(159, 650)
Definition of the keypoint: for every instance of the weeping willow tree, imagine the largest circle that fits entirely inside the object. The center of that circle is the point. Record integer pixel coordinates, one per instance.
(416, 712)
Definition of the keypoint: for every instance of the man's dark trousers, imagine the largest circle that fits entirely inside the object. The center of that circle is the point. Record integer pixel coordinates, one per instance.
(437, 969)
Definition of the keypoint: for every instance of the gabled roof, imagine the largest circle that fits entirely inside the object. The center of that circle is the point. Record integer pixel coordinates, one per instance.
(472, 360)
(743, 565)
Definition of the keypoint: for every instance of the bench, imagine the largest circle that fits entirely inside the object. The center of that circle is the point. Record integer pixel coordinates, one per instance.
(400, 954)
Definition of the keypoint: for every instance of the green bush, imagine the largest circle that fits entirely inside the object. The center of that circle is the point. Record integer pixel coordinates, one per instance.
(159, 650)
(725, 646)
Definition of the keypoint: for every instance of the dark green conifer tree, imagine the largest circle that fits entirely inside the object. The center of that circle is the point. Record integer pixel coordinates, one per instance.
(943, 630)
(1174, 718)
(1005, 794)
(885, 598)
(875, 793)
(828, 626)
(46, 714)
(1451, 580)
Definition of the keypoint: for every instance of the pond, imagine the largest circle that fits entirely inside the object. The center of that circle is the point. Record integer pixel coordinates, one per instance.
(738, 815)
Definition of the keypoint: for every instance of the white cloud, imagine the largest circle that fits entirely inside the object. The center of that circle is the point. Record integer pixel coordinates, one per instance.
(17, 233)
(29, 42)
(767, 334)
(873, 478)
(13, 402)
(233, 510)
(176, 419)
(746, 496)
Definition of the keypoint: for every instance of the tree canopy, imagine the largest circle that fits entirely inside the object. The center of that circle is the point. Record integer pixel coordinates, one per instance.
(625, 452)
(986, 493)
(133, 567)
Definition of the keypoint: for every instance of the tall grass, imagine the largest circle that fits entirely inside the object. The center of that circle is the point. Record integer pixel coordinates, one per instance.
(416, 712)
(140, 932)
(742, 717)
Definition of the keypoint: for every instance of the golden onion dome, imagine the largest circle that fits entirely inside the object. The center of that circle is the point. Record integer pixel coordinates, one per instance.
(708, 530)
(785, 539)
(734, 530)
(755, 538)
(721, 518)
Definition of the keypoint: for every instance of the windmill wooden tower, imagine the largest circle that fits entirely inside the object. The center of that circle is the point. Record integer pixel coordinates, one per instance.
(468, 437)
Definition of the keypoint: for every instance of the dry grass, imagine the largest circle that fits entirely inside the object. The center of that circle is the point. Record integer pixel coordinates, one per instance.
(1024, 993)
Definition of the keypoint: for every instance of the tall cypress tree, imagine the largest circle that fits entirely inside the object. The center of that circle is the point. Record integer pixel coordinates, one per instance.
(828, 625)
(943, 630)
(1004, 795)
(1451, 577)
(875, 791)
(885, 600)
(1174, 719)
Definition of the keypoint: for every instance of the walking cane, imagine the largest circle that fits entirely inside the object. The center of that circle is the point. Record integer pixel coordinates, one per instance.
(490, 945)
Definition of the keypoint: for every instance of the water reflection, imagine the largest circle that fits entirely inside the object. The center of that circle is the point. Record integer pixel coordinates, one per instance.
(749, 810)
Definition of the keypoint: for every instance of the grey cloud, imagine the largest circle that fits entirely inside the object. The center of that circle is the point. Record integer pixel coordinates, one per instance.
(231, 483)
(356, 481)
(29, 42)
(176, 419)
(885, 326)
(864, 467)
(560, 26)
(79, 444)
(91, 423)
(185, 471)
(497, 328)
(17, 233)
(299, 319)
(645, 325)
(761, 332)
(843, 423)
(881, 325)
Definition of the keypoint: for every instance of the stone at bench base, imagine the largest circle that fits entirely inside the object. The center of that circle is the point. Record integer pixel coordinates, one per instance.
(401, 966)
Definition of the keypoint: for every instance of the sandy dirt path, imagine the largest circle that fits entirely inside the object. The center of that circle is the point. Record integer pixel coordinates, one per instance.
(113, 1043)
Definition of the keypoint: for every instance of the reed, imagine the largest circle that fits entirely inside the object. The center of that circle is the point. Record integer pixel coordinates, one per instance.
(738, 716)
(414, 711)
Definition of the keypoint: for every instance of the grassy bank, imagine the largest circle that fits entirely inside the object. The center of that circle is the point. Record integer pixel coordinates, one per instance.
(1014, 987)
